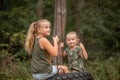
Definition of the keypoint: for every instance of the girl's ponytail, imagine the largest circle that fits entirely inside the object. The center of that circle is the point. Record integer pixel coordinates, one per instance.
(30, 38)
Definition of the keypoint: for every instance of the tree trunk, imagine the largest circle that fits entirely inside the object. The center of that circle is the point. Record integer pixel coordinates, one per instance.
(59, 25)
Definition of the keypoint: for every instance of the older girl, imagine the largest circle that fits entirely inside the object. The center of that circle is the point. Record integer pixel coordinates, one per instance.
(41, 49)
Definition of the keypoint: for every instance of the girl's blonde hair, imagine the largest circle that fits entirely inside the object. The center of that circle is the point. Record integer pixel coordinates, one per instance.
(32, 33)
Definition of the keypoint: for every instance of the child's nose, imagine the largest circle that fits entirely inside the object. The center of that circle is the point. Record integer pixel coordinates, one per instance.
(48, 28)
(70, 40)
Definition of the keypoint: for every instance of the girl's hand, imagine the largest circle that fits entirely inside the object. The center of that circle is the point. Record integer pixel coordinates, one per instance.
(56, 38)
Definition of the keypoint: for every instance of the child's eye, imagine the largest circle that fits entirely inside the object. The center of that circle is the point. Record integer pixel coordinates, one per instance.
(73, 39)
(68, 40)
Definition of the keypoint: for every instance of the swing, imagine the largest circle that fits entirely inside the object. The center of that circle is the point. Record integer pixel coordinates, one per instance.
(59, 28)
(72, 76)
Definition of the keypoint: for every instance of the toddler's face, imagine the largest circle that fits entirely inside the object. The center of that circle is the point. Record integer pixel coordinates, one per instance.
(71, 40)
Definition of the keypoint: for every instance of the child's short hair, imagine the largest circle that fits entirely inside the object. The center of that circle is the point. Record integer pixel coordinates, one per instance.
(71, 33)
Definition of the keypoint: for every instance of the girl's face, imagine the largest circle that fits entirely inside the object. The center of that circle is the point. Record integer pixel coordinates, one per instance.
(71, 40)
(44, 30)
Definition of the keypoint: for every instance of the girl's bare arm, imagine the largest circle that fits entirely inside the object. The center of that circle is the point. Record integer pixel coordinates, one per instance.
(52, 49)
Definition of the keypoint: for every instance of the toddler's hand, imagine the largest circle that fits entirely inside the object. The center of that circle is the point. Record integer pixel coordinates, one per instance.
(61, 44)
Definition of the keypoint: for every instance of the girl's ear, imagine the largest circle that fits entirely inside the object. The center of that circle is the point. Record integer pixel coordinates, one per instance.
(38, 30)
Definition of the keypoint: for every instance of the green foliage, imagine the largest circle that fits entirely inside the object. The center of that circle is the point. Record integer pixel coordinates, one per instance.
(49, 10)
(12, 42)
(14, 16)
(104, 69)
(12, 69)
(99, 24)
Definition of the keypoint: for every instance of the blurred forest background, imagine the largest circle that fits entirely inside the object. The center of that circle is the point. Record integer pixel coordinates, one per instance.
(96, 21)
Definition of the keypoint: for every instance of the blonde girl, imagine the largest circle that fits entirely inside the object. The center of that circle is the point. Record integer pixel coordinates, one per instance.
(75, 51)
(41, 49)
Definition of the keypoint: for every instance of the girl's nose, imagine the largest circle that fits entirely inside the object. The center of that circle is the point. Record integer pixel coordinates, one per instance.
(49, 29)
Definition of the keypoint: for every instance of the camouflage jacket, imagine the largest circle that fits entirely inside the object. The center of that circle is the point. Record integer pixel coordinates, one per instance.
(75, 62)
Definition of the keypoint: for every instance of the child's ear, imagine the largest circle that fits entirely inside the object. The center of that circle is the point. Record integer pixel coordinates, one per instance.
(77, 40)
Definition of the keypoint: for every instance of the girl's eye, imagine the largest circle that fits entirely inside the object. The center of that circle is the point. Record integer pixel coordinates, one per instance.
(47, 26)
